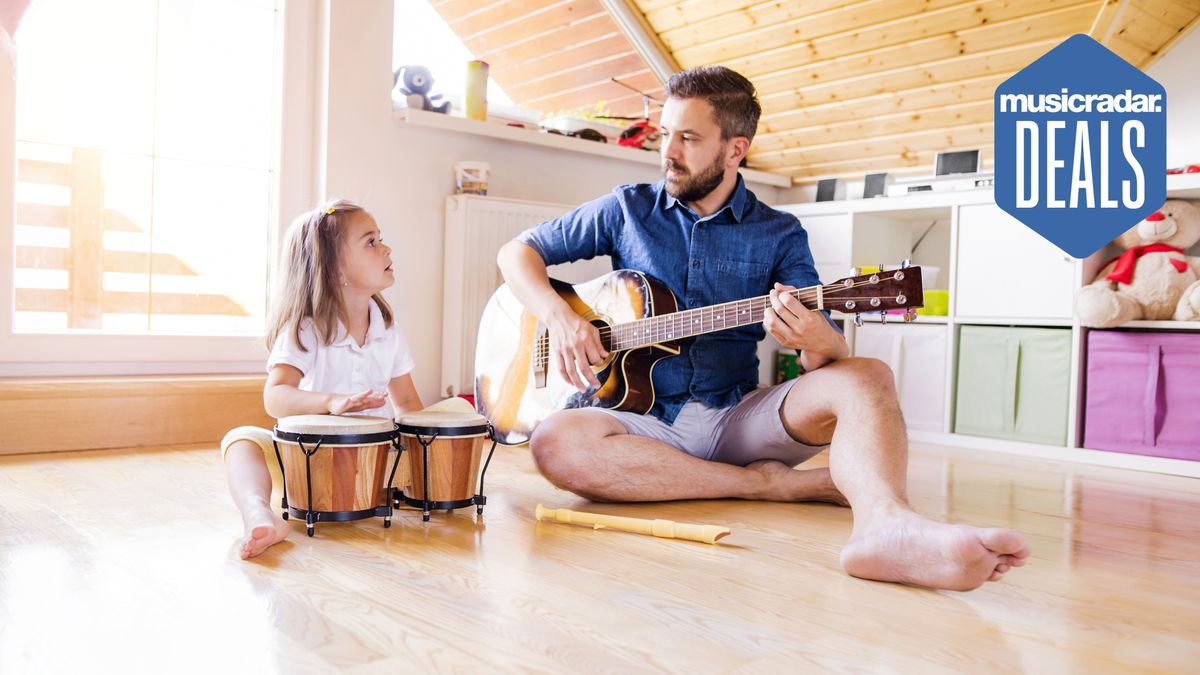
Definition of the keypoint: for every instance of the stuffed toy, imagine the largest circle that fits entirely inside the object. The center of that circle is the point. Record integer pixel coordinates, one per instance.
(1154, 278)
(417, 83)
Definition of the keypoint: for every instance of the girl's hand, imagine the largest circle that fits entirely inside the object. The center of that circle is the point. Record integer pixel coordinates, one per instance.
(367, 400)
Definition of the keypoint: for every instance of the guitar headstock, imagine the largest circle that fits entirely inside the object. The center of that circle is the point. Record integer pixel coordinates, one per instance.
(876, 292)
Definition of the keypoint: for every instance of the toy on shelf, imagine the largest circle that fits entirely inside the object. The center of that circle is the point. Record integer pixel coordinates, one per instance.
(1154, 278)
(1190, 168)
(414, 83)
(642, 133)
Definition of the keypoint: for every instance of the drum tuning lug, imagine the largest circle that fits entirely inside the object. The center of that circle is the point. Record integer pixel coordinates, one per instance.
(858, 320)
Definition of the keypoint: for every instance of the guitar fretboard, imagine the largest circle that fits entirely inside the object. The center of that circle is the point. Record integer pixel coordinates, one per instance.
(691, 322)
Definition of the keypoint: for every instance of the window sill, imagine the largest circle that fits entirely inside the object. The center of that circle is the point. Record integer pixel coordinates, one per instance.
(502, 131)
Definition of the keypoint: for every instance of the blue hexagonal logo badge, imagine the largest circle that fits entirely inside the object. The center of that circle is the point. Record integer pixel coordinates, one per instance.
(1081, 145)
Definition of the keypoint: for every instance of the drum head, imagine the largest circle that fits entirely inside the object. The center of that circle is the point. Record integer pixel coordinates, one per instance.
(335, 429)
(444, 423)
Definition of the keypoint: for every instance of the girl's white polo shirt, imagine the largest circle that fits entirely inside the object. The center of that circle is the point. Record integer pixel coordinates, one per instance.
(343, 367)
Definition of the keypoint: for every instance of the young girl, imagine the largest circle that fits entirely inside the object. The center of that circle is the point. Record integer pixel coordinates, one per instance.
(335, 350)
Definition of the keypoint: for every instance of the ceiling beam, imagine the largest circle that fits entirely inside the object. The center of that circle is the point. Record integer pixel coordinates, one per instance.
(644, 38)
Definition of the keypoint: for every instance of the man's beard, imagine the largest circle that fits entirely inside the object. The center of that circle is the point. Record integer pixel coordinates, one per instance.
(693, 187)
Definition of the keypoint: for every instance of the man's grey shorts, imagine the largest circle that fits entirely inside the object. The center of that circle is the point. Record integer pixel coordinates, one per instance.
(743, 433)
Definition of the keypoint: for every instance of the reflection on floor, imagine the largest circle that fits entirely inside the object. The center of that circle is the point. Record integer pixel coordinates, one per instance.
(127, 559)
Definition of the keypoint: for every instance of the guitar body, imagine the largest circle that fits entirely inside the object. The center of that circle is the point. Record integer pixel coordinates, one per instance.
(517, 385)
(515, 389)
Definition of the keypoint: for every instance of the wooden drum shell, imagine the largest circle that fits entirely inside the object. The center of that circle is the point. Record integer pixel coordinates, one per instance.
(347, 461)
(345, 478)
(453, 467)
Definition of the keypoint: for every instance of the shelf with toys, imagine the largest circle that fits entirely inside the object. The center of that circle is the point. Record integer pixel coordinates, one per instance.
(502, 130)
(1010, 367)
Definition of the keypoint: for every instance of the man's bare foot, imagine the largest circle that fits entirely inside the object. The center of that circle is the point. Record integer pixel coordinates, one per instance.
(785, 484)
(264, 528)
(908, 548)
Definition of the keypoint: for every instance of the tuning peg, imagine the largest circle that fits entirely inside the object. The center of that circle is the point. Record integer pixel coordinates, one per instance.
(906, 263)
(910, 315)
(883, 317)
(858, 320)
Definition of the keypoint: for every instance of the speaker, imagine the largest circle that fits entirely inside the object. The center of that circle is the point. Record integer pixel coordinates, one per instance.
(962, 161)
(875, 185)
(830, 189)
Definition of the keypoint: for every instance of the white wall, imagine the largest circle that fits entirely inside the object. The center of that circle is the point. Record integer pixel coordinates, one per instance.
(1176, 72)
(403, 173)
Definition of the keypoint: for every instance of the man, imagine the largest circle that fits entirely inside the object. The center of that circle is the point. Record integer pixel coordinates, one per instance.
(711, 433)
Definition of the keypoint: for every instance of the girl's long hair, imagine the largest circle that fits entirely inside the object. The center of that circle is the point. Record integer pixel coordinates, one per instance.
(308, 285)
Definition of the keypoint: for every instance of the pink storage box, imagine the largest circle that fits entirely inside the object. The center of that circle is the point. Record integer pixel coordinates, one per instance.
(1143, 393)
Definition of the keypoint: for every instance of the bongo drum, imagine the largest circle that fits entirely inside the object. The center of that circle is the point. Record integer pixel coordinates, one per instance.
(444, 449)
(335, 467)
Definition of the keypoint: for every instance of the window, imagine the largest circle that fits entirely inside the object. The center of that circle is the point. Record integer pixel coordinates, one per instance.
(146, 144)
(421, 37)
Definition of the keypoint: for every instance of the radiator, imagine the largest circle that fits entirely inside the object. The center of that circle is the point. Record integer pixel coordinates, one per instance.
(476, 228)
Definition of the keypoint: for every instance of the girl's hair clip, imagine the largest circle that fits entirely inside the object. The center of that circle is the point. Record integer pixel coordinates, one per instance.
(329, 211)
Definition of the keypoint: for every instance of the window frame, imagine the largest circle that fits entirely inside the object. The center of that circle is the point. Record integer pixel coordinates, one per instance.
(296, 102)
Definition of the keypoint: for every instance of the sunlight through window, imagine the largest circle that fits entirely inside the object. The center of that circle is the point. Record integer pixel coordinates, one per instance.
(145, 139)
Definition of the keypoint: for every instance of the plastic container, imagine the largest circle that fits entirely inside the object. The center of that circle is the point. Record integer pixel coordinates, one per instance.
(471, 177)
(476, 94)
(937, 302)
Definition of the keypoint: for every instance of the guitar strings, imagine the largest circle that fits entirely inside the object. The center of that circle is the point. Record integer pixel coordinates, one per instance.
(801, 294)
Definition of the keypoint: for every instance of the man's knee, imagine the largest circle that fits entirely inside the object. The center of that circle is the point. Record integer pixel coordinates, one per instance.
(862, 375)
(555, 448)
(867, 366)
(563, 449)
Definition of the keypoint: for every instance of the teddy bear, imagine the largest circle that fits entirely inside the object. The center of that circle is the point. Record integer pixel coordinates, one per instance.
(417, 82)
(1154, 278)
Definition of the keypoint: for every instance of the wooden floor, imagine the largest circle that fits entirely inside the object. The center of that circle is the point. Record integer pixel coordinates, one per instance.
(125, 561)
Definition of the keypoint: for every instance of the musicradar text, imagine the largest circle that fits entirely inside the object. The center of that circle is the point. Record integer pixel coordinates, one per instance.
(1125, 102)
(1083, 174)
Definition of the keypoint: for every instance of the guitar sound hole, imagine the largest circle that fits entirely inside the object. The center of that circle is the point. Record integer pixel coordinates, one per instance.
(605, 334)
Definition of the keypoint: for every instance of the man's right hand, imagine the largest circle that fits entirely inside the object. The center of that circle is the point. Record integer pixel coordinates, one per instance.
(575, 347)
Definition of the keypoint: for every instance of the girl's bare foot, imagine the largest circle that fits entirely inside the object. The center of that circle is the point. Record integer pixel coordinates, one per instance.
(908, 548)
(264, 528)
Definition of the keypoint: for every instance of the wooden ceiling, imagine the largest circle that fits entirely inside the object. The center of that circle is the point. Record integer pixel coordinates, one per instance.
(553, 55)
(847, 87)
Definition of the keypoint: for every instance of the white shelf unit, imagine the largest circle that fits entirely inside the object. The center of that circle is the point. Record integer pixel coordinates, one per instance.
(1004, 275)
(501, 130)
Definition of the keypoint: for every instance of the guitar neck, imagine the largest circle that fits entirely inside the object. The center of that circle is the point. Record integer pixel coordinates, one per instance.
(692, 322)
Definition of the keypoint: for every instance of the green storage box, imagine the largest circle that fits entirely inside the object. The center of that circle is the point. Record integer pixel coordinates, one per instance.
(1013, 383)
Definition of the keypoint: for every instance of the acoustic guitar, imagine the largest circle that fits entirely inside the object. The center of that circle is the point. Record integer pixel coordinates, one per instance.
(516, 385)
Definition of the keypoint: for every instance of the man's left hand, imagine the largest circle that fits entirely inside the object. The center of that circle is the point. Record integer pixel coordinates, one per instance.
(797, 327)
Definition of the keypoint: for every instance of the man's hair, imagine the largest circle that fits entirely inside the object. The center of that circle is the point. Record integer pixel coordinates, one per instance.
(732, 96)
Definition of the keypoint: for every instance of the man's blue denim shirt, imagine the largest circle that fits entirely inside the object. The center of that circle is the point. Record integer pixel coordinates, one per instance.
(733, 254)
